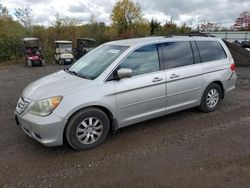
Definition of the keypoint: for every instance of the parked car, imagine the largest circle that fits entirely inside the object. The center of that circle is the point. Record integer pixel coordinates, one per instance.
(84, 45)
(122, 83)
(63, 53)
(32, 51)
(245, 44)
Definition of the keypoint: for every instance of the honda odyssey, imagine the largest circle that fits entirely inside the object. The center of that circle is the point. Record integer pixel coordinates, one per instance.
(124, 82)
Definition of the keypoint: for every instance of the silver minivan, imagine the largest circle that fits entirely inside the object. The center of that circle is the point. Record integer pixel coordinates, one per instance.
(124, 82)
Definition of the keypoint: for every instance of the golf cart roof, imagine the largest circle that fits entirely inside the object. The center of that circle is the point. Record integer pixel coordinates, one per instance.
(30, 39)
(63, 41)
(90, 39)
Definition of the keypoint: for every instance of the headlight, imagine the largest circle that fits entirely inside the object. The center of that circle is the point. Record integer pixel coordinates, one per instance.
(45, 107)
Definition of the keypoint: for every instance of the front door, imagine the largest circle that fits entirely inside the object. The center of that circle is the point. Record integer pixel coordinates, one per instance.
(142, 96)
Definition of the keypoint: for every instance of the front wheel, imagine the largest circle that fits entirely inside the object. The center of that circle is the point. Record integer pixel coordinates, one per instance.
(61, 62)
(29, 63)
(211, 98)
(87, 129)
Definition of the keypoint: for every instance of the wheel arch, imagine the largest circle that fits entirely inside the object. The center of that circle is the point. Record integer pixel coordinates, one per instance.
(113, 122)
(219, 83)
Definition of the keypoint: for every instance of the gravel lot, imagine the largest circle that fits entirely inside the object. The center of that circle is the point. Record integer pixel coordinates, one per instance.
(185, 149)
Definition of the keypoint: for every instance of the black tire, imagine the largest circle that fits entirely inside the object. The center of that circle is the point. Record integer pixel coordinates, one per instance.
(61, 62)
(204, 105)
(42, 62)
(75, 121)
(29, 63)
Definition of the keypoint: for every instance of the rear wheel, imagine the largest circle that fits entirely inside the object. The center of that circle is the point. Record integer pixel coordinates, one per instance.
(43, 62)
(211, 98)
(87, 129)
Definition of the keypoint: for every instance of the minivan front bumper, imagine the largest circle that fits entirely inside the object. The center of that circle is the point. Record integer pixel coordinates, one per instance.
(46, 130)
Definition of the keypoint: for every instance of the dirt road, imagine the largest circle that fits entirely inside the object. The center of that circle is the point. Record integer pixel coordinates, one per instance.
(185, 149)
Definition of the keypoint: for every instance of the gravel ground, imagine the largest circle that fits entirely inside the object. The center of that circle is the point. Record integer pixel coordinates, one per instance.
(184, 149)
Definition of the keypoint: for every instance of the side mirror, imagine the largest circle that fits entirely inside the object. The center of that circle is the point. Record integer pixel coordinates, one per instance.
(124, 73)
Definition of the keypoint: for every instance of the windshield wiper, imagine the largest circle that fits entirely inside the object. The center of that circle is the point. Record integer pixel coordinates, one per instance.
(76, 74)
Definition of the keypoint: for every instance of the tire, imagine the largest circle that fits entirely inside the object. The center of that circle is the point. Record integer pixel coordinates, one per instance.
(43, 63)
(29, 63)
(81, 132)
(211, 98)
(61, 62)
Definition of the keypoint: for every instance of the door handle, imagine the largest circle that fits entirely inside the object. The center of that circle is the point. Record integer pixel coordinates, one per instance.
(156, 79)
(174, 76)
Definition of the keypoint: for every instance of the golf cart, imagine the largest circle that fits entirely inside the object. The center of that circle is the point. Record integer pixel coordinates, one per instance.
(63, 53)
(32, 51)
(84, 45)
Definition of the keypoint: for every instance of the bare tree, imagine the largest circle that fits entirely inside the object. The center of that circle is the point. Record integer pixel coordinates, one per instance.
(3, 11)
(24, 16)
(243, 21)
(209, 26)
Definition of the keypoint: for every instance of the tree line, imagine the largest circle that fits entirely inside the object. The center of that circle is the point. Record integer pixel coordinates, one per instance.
(127, 22)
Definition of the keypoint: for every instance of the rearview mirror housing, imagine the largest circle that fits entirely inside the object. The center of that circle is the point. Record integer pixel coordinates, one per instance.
(124, 73)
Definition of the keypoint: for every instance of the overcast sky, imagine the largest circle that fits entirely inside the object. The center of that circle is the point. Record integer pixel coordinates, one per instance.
(190, 11)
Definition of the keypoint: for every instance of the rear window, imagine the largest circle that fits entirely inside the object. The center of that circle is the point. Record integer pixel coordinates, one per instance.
(210, 51)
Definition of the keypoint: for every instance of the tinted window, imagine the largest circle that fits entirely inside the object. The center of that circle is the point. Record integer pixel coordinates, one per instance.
(195, 52)
(210, 50)
(143, 60)
(178, 54)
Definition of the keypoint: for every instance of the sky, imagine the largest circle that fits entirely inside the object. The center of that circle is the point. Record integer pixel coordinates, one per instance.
(190, 12)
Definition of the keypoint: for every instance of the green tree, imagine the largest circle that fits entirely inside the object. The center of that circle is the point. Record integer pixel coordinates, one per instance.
(11, 33)
(124, 14)
(154, 26)
(170, 27)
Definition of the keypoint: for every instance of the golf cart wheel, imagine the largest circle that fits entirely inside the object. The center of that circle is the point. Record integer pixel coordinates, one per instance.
(43, 62)
(87, 129)
(29, 63)
(61, 61)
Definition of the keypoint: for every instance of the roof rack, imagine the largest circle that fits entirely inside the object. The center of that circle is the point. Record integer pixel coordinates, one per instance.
(190, 34)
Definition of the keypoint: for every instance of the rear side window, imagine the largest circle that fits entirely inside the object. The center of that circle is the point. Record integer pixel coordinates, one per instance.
(210, 51)
(177, 54)
(143, 60)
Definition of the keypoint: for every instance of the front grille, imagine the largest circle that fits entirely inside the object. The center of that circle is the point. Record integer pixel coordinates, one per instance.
(22, 104)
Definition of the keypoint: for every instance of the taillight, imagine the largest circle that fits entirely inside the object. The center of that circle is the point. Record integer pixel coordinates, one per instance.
(232, 67)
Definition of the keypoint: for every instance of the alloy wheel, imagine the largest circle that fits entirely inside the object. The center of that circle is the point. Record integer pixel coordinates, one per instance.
(89, 130)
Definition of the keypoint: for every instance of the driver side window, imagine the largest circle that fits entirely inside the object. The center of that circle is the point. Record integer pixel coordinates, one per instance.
(143, 60)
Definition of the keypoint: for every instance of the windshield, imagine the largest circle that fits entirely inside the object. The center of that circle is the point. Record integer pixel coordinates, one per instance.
(31, 44)
(93, 64)
(65, 46)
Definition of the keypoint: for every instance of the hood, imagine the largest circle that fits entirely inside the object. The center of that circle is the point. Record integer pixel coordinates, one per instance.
(59, 83)
(33, 57)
